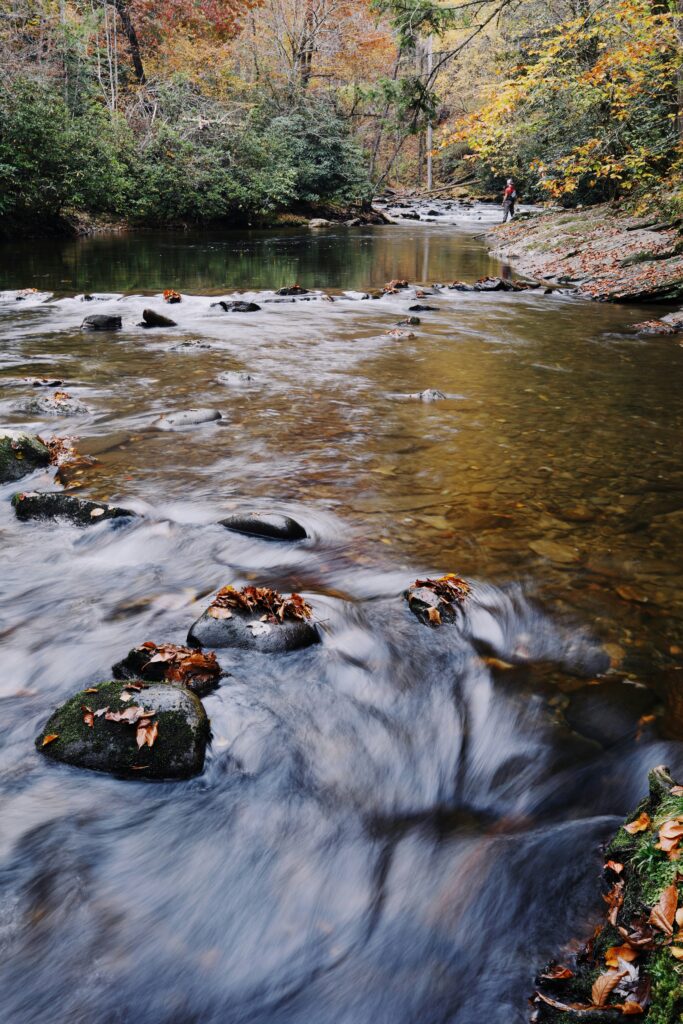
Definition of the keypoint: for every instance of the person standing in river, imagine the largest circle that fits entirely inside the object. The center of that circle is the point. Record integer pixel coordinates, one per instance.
(509, 199)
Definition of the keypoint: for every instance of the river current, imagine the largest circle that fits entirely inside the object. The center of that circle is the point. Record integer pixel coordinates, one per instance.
(401, 824)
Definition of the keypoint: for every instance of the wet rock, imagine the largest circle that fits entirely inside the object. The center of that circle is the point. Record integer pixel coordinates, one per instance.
(42, 382)
(55, 505)
(460, 286)
(608, 712)
(269, 525)
(106, 745)
(197, 670)
(152, 319)
(101, 322)
(235, 377)
(410, 215)
(237, 306)
(228, 622)
(437, 601)
(294, 289)
(428, 395)
(355, 222)
(657, 327)
(59, 404)
(20, 454)
(187, 418)
(555, 551)
(417, 308)
(319, 222)
(409, 321)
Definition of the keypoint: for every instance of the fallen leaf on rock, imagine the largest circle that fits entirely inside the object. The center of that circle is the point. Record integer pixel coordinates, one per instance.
(641, 935)
(679, 917)
(100, 712)
(641, 823)
(129, 715)
(96, 512)
(259, 601)
(558, 973)
(146, 733)
(629, 1008)
(670, 834)
(50, 738)
(616, 953)
(91, 689)
(434, 616)
(604, 985)
(562, 1006)
(677, 790)
(614, 866)
(88, 716)
(614, 900)
(677, 952)
(171, 295)
(663, 914)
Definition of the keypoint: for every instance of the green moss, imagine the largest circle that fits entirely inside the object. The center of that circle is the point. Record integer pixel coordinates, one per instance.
(667, 989)
(19, 455)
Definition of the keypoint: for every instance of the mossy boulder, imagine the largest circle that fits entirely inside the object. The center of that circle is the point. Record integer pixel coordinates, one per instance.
(20, 454)
(106, 745)
(269, 525)
(55, 505)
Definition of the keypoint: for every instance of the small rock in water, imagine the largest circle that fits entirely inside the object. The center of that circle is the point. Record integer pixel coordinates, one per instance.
(417, 308)
(56, 505)
(428, 395)
(437, 601)
(410, 321)
(556, 552)
(234, 377)
(187, 418)
(101, 322)
(319, 222)
(172, 663)
(270, 525)
(242, 619)
(59, 404)
(160, 732)
(152, 319)
(20, 454)
(237, 306)
(294, 289)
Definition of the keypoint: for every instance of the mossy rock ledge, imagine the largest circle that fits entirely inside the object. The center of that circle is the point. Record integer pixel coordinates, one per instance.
(20, 454)
(632, 967)
(247, 631)
(110, 746)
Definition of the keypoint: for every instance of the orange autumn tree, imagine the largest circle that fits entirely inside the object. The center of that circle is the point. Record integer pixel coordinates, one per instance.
(589, 109)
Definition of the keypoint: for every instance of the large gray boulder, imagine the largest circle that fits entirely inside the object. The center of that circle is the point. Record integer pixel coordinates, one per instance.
(20, 454)
(55, 505)
(269, 525)
(159, 732)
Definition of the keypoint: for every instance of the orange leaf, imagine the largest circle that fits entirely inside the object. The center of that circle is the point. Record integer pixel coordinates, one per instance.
(629, 1008)
(664, 913)
(615, 866)
(146, 733)
(604, 985)
(88, 716)
(641, 823)
(50, 738)
(616, 953)
(558, 973)
(677, 951)
(434, 615)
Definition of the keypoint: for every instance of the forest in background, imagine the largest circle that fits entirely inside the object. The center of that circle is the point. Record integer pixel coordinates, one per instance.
(191, 111)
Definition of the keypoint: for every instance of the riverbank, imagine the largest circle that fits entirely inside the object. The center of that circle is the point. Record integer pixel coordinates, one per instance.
(605, 255)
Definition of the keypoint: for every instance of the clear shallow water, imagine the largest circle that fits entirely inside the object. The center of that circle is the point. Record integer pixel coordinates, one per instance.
(388, 828)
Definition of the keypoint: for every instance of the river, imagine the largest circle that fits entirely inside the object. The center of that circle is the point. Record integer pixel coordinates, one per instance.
(392, 827)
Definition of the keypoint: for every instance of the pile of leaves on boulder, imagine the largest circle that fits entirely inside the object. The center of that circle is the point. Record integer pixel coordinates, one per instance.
(199, 671)
(633, 963)
(265, 602)
(436, 601)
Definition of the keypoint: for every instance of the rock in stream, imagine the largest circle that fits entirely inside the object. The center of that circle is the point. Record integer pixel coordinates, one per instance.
(56, 505)
(169, 717)
(20, 454)
(269, 525)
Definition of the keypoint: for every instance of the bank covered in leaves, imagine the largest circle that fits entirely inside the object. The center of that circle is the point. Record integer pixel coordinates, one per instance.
(632, 965)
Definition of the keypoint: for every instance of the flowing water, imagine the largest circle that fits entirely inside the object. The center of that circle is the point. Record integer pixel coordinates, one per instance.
(391, 826)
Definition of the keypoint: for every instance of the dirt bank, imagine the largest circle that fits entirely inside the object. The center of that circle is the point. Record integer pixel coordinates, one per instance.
(604, 254)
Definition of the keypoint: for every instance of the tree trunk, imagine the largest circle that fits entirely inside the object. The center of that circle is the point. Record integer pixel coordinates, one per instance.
(121, 7)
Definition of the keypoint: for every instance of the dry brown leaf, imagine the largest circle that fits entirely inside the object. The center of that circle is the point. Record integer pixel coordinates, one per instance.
(679, 917)
(676, 791)
(558, 973)
(50, 738)
(88, 716)
(434, 616)
(129, 715)
(641, 823)
(663, 914)
(563, 1006)
(614, 866)
(616, 953)
(220, 613)
(147, 733)
(101, 711)
(91, 689)
(96, 512)
(604, 985)
(629, 1008)
(614, 900)
(677, 952)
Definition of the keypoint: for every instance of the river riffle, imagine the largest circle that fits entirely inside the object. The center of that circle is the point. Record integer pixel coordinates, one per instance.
(391, 826)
